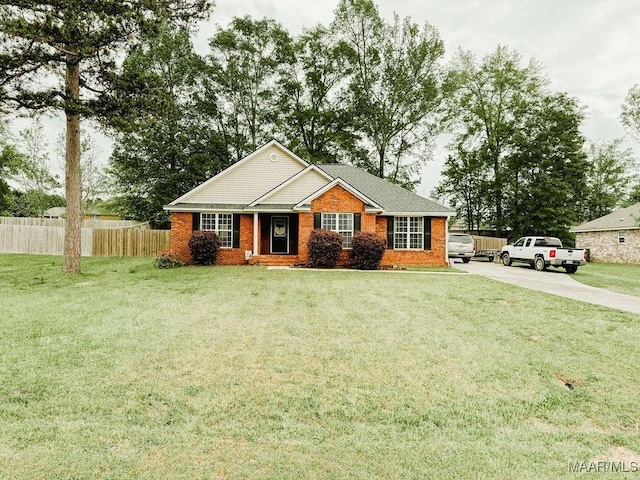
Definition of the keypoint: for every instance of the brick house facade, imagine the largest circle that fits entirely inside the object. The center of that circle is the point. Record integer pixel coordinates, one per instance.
(265, 207)
(613, 238)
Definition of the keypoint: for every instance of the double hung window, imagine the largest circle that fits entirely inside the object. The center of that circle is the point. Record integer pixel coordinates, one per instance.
(341, 223)
(221, 223)
(622, 237)
(408, 233)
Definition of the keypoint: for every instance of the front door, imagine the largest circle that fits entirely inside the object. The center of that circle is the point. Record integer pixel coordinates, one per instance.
(279, 234)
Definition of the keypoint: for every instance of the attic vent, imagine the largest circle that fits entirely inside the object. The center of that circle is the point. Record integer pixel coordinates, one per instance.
(274, 157)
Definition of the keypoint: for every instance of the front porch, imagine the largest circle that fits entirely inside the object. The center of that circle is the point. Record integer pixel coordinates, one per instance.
(277, 235)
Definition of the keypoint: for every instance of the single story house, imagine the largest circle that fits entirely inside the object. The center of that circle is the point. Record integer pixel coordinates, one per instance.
(265, 206)
(54, 212)
(614, 238)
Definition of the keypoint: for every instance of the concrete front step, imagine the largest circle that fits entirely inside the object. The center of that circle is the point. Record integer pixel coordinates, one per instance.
(275, 260)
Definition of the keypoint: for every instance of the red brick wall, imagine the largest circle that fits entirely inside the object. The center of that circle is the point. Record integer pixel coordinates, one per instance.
(235, 256)
(434, 257)
(182, 229)
(333, 201)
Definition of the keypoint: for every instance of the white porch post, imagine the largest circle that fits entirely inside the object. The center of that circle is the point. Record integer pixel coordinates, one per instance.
(255, 233)
(446, 240)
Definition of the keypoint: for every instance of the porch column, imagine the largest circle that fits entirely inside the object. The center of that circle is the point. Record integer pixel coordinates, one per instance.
(255, 233)
(446, 240)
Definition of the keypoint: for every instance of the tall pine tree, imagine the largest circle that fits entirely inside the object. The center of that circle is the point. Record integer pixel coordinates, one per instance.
(78, 42)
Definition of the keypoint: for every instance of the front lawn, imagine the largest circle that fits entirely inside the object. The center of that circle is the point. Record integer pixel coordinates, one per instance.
(127, 371)
(618, 277)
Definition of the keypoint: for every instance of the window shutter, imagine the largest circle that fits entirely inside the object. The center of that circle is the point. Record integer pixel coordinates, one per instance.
(357, 222)
(195, 223)
(390, 232)
(236, 230)
(426, 221)
(317, 220)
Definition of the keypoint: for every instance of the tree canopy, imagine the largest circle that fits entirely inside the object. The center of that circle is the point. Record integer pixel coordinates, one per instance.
(630, 115)
(518, 166)
(77, 42)
(157, 161)
(610, 174)
(394, 87)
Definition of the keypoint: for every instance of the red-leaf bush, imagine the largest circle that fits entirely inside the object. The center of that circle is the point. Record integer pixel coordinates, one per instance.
(324, 248)
(204, 246)
(367, 251)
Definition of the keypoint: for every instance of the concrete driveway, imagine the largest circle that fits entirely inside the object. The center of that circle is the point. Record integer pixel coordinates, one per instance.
(555, 282)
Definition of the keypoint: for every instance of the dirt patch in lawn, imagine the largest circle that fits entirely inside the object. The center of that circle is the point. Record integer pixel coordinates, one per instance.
(618, 454)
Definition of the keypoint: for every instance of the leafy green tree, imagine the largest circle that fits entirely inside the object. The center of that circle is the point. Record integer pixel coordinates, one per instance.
(466, 187)
(611, 171)
(9, 156)
(5, 191)
(95, 182)
(394, 87)
(484, 111)
(177, 150)
(546, 169)
(77, 42)
(244, 65)
(315, 120)
(31, 171)
(634, 195)
(630, 115)
(33, 204)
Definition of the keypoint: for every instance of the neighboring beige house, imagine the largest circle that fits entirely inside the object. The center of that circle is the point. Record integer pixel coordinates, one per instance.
(614, 238)
(55, 212)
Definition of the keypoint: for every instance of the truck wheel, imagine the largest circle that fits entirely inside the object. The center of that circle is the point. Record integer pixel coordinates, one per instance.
(571, 268)
(491, 259)
(506, 260)
(466, 260)
(539, 264)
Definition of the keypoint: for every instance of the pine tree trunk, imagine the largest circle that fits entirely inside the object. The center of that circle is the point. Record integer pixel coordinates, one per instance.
(73, 186)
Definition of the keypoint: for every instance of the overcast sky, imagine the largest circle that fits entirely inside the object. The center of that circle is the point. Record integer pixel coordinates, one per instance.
(589, 48)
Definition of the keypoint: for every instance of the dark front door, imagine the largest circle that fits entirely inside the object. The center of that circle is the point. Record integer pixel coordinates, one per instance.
(279, 234)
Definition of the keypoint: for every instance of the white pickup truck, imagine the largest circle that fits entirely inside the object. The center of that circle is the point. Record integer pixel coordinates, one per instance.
(543, 252)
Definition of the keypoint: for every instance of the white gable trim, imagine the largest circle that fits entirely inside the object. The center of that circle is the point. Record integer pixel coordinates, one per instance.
(297, 176)
(248, 158)
(304, 204)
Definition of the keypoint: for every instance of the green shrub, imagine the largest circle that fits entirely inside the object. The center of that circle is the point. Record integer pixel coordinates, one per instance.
(367, 251)
(324, 248)
(204, 246)
(168, 259)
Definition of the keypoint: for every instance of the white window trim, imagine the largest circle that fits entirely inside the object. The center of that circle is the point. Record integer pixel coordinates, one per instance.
(216, 228)
(337, 221)
(407, 234)
(622, 237)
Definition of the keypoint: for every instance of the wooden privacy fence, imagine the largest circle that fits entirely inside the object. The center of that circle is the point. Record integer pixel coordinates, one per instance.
(46, 237)
(488, 243)
(39, 240)
(129, 242)
(59, 222)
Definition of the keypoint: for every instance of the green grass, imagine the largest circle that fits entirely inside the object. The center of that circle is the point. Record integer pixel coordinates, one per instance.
(127, 371)
(618, 277)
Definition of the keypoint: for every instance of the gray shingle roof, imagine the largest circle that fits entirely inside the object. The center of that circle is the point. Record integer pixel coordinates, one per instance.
(393, 198)
(626, 218)
(196, 207)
